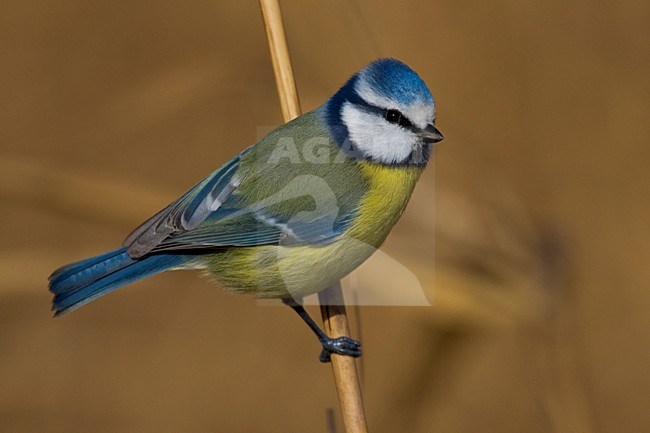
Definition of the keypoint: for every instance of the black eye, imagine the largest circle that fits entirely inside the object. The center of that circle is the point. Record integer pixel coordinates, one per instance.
(394, 116)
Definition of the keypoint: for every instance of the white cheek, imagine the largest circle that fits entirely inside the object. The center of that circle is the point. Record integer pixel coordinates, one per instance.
(376, 138)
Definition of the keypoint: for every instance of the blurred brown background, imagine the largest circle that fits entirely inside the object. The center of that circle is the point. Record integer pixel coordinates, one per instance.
(540, 319)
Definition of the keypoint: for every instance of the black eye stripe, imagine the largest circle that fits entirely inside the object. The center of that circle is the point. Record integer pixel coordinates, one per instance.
(370, 108)
(394, 116)
(405, 122)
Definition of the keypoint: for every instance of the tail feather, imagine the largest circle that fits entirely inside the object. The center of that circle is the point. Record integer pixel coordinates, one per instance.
(80, 274)
(79, 283)
(65, 271)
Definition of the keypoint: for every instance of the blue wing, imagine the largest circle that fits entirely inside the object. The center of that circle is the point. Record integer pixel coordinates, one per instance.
(211, 215)
(185, 213)
(248, 227)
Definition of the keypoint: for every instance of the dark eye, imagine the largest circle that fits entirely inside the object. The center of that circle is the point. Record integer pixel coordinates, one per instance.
(394, 116)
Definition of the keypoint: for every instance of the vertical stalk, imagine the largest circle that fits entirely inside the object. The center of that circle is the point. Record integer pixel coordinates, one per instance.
(332, 307)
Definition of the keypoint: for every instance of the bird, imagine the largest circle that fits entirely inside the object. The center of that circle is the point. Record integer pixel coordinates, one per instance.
(292, 214)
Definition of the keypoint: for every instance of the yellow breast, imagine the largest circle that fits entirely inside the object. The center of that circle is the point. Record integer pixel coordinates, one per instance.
(389, 193)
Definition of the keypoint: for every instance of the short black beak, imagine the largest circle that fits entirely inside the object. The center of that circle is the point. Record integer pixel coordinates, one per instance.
(430, 134)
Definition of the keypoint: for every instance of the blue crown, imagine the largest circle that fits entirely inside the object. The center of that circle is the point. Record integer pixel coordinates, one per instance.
(397, 81)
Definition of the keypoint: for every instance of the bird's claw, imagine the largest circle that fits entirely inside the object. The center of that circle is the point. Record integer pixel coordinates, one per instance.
(341, 346)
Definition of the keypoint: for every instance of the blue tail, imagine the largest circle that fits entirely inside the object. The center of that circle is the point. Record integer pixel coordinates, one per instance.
(77, 284)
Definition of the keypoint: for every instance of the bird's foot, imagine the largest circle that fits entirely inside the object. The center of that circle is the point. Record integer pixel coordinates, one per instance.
(341, 346)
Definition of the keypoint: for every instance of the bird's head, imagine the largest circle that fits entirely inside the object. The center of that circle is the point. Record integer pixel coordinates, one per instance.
(385, 114)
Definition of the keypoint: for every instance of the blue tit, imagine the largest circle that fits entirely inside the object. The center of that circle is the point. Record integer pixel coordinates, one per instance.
(292, 214)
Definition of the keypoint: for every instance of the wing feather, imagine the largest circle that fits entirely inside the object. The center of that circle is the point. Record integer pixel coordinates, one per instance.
(185, 213)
